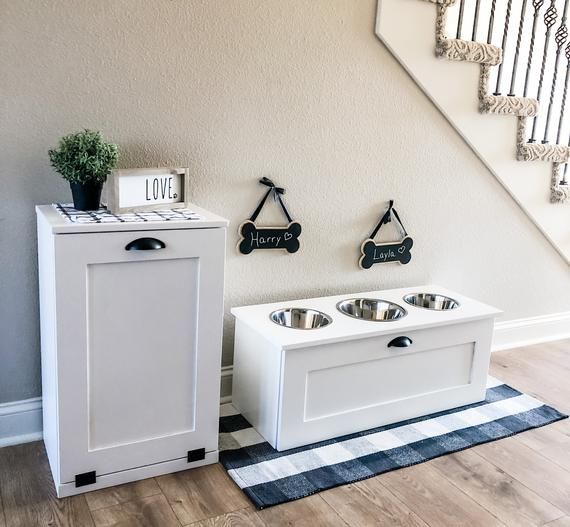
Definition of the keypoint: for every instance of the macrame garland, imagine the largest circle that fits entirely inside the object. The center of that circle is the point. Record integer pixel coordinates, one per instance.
(375, 253)
(254, 237)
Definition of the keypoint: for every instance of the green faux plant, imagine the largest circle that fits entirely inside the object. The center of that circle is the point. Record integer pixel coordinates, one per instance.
(84, 157)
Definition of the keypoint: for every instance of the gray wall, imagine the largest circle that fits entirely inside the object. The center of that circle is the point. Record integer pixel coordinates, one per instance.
(236, 89)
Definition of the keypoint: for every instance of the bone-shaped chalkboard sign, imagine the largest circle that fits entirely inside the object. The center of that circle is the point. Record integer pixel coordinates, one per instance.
(375, 253)
(254, 237)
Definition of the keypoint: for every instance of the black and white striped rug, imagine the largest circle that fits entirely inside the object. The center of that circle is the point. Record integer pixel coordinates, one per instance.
(269, 477)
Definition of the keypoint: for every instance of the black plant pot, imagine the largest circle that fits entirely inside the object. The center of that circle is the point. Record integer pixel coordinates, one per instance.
(86, 196)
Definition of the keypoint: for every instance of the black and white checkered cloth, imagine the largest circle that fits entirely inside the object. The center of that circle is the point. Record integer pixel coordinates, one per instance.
(105, 216)
(269, 477)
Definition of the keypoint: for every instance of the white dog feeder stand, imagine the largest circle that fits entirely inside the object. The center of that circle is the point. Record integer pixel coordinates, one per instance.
(315, 369)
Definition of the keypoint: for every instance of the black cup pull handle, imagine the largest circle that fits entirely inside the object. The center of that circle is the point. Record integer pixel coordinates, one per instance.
(400, 342)
(145, 244)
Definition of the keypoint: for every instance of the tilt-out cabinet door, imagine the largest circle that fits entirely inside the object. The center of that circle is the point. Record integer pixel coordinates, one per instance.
(139, 321)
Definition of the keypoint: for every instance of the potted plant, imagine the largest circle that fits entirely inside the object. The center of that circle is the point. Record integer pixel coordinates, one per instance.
(84, 159)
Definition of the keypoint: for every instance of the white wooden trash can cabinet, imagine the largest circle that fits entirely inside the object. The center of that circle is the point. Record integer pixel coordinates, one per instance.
(131, 322)
(298, 387)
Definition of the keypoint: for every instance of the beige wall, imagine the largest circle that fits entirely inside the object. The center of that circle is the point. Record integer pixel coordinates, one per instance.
(298, 90)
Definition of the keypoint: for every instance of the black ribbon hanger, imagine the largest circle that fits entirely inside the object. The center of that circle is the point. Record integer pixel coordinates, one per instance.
(254, 237)
(387, 218)
(277, 193)
(374, 253)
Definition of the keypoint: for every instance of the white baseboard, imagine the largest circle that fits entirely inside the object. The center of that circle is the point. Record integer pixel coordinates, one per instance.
(529, 331)
(20, 421)
(226, 384)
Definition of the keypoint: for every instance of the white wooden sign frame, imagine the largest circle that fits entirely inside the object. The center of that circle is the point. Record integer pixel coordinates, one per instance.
(114, 195)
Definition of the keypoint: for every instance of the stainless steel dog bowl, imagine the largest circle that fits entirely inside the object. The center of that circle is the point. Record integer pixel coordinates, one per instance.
(431, 301)
(372, 309)
(300, 318)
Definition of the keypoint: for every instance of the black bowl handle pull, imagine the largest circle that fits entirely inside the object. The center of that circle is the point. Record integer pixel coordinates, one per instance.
(400, 342)
(145, 244)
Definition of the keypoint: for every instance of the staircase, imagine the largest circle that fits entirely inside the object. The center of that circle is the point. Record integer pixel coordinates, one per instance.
(526, 61)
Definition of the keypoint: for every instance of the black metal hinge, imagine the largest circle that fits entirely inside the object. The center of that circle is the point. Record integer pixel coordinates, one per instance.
(87, 478)
(196, 455)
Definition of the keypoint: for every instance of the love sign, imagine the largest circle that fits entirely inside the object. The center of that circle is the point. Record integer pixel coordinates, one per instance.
(142, 189)
(376, 253)
(253, 237)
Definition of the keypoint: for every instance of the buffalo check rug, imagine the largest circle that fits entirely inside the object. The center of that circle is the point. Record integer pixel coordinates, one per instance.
(269, 477)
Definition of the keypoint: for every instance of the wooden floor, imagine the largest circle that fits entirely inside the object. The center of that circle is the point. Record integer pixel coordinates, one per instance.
(520, 481)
